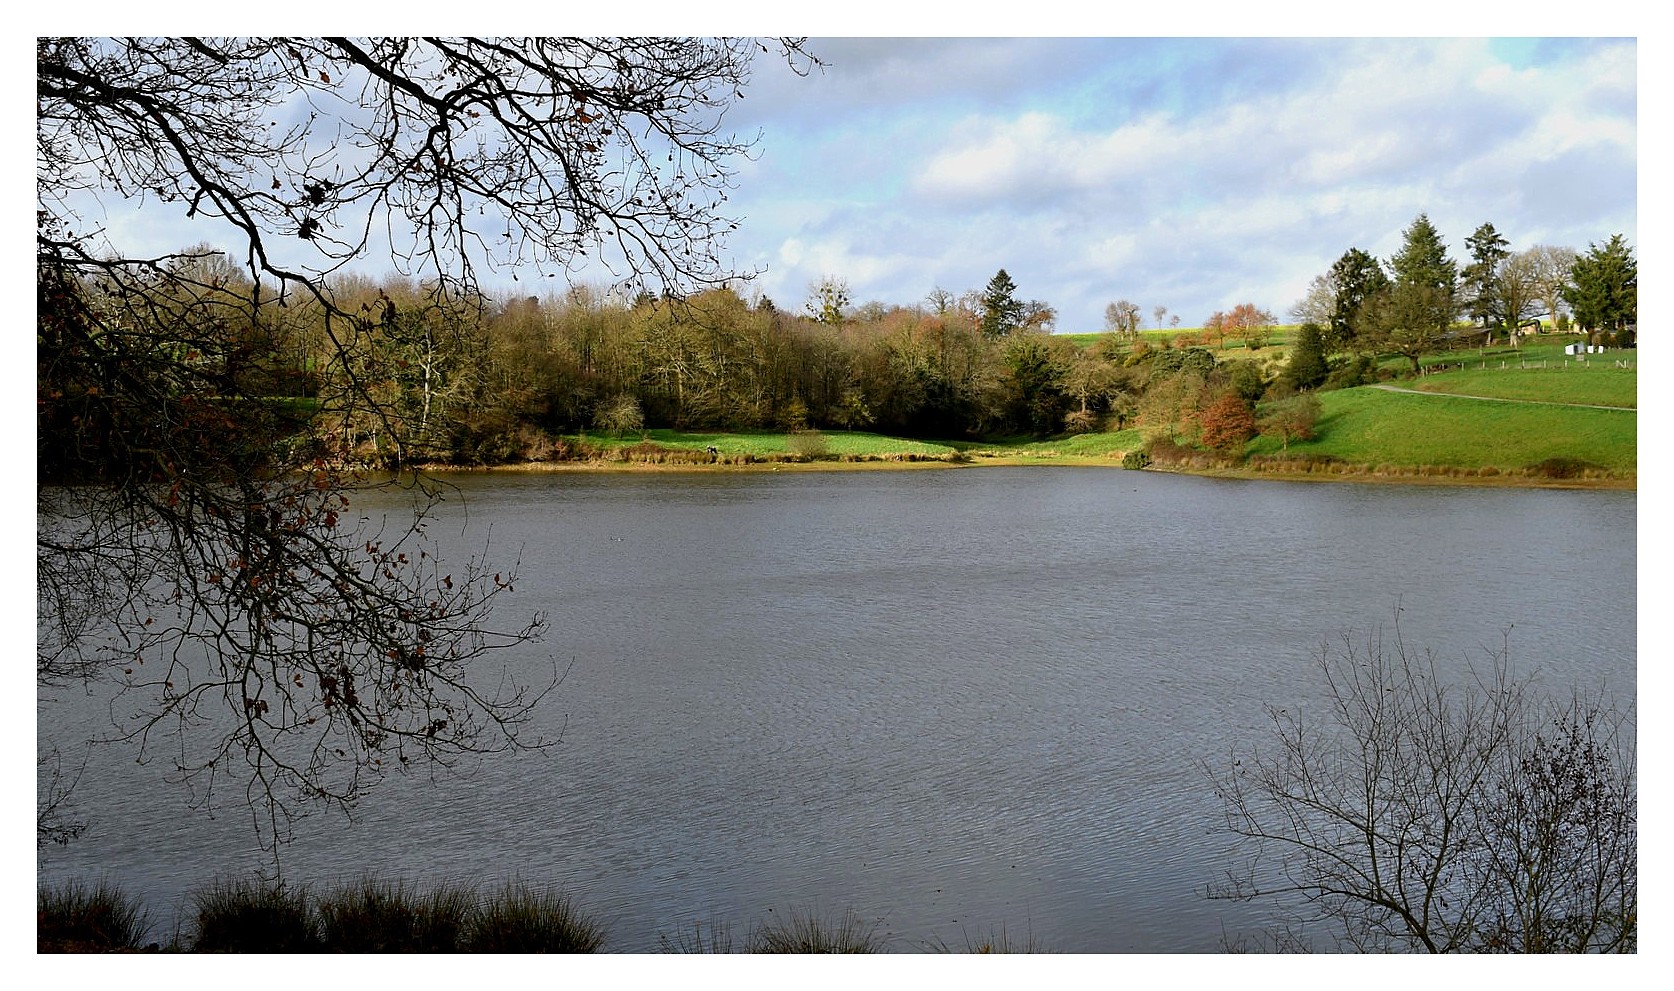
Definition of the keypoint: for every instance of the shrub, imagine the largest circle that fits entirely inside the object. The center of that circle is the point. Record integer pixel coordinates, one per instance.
(619, 414)
(1564, 468)
(1079, 421)
(522, 920)
(253, 917)
(807, 444)
(1136, 459)
(374, 917)
(77, 919)
(1358, 370)
(808, 933)
(1227, 423)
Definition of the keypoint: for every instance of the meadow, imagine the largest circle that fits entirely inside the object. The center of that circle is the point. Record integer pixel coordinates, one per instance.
(1546, 430)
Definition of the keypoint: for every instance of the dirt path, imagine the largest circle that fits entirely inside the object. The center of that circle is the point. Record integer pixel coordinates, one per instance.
(1498, 399)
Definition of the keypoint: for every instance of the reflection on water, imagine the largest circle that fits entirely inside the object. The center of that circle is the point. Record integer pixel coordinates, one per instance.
(957, 701)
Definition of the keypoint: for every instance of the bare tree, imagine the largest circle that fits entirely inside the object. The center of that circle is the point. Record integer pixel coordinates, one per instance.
(1415, 814)
(1517, 283)
(1553, 266)
(1122, 317)
(194, 537)
(828, 300)
(1318, 304)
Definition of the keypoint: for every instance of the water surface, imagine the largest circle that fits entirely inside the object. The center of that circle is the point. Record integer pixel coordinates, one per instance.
(954, 700)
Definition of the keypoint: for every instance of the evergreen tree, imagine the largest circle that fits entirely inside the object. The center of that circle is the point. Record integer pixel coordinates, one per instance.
(1604, 289)
(1482, 284)
(1307, 367)
(1356, 279)
(1420, 305)
(1422, 262)
(1002, 311)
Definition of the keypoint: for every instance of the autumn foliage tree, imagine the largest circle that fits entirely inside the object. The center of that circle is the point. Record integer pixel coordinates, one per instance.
(1227, 423)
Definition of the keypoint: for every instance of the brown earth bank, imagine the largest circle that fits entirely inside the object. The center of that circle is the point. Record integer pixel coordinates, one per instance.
(1330, 472)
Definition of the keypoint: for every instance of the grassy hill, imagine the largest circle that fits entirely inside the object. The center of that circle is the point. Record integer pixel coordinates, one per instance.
(1516, 415)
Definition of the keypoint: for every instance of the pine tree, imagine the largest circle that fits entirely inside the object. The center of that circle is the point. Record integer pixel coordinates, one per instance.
(1419, 307)
(1604, 289)
(1488, 250)
(1356, 279)
(1307, 367)
(1002, 312)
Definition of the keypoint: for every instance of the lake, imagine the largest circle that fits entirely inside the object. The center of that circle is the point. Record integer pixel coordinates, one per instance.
(955, 701)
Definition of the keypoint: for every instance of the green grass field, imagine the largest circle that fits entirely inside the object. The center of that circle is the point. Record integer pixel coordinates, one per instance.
(1543, 374)
(1366, 426)
(1277, 342)
(767, 444)
(1376, 427)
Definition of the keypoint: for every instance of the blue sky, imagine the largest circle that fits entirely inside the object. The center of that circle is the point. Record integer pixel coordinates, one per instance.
(1188, 173)
(1194, 173)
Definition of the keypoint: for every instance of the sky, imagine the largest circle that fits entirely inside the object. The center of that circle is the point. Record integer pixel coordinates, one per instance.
(1190, 173)
(1187, 173)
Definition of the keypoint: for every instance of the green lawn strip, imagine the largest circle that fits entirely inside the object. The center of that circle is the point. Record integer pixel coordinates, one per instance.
(1278, 341)
(1109, 446)
(768, 443)
(1596, 383)
(1376, 427)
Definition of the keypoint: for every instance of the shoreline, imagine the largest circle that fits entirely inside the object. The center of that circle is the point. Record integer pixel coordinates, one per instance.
(1353, 474)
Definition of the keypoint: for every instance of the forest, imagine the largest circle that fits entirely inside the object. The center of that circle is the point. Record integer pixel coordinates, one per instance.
(416, 376)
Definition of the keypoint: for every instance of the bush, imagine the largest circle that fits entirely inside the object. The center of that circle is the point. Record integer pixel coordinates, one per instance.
(807, 444)
(374, 917)
(521, 920)
(618, 415)
(78, 919)
(254, 917)
(1227, 423)
(1079, 421)
(1358, 370)
(807, 933)
(1564, 468)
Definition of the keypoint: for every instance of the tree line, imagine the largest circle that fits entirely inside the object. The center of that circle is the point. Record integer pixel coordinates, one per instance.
(415, 375)
(1411, 303)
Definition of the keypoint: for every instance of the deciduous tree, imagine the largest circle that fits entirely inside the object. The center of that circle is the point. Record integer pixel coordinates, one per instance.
(1518, 287)
(828, 300)
(1552, 267)
(1249, 322)
(1290, 418)
(204, 558)
(1318, 304)
(1412, 812)
(1122, 317)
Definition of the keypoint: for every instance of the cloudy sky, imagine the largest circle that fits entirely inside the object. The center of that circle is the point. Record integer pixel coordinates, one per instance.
(1194, 174)
(1188, 173)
